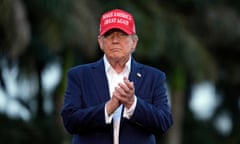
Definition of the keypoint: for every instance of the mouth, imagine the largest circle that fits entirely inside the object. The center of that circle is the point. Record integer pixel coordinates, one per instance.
(115, 49)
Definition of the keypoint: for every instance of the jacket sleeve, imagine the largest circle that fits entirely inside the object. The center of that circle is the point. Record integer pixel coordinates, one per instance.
(77, 117)
(152, 111)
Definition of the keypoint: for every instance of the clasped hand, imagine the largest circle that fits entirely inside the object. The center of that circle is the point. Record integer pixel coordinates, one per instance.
(123, 94)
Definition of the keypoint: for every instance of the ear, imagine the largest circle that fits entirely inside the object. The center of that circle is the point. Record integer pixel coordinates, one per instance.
(134, 44)
(100, 42)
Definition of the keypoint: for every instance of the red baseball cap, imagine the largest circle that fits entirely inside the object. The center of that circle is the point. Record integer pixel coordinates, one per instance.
(117, 19)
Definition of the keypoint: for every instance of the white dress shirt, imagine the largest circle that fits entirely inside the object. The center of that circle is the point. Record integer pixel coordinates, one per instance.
(113, 80)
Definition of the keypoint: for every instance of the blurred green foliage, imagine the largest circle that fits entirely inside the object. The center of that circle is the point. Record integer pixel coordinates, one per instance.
(191, 40)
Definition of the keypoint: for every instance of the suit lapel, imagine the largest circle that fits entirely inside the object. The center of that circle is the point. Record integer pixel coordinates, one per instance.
(100, 80)
(136, 75)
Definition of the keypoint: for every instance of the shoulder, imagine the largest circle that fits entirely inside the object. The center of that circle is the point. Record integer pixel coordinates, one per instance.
(84, 68)
(149, 72)
(150, 69)
(156, 73)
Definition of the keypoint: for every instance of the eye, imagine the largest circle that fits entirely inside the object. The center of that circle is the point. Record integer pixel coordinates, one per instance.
(109, 33)
(122, 34)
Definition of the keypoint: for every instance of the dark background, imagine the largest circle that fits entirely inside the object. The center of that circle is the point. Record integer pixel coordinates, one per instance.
(196, 42)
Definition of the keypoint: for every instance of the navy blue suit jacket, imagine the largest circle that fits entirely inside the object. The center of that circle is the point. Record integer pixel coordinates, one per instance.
(87, 92)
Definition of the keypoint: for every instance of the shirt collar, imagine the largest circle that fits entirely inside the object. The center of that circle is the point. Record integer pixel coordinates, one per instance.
(108, 66)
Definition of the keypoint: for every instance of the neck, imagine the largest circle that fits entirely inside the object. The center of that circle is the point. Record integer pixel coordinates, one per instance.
(118, 65)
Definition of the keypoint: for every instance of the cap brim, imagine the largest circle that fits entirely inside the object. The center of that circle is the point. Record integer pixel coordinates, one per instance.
(115, 27)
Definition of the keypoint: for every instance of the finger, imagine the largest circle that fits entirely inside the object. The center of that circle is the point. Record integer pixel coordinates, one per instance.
(116, 92)
(123, 98)
(114, 98)
(128, 83)
(120, 98)
(128, 87)
(123, 86)
(120, 91)
(125, 91)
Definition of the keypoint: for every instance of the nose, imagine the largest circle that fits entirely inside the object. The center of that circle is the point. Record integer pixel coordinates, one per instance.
(115, 37)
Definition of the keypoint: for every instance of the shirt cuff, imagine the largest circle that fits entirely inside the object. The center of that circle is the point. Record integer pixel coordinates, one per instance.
(129, 112)
(108, 119)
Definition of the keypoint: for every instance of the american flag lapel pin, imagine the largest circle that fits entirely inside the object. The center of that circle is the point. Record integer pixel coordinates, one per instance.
(139, 75)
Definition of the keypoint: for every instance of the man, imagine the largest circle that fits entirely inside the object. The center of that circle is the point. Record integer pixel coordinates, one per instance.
(116, 100)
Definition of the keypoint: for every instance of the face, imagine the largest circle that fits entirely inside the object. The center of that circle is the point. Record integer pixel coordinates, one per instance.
(117, 45)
